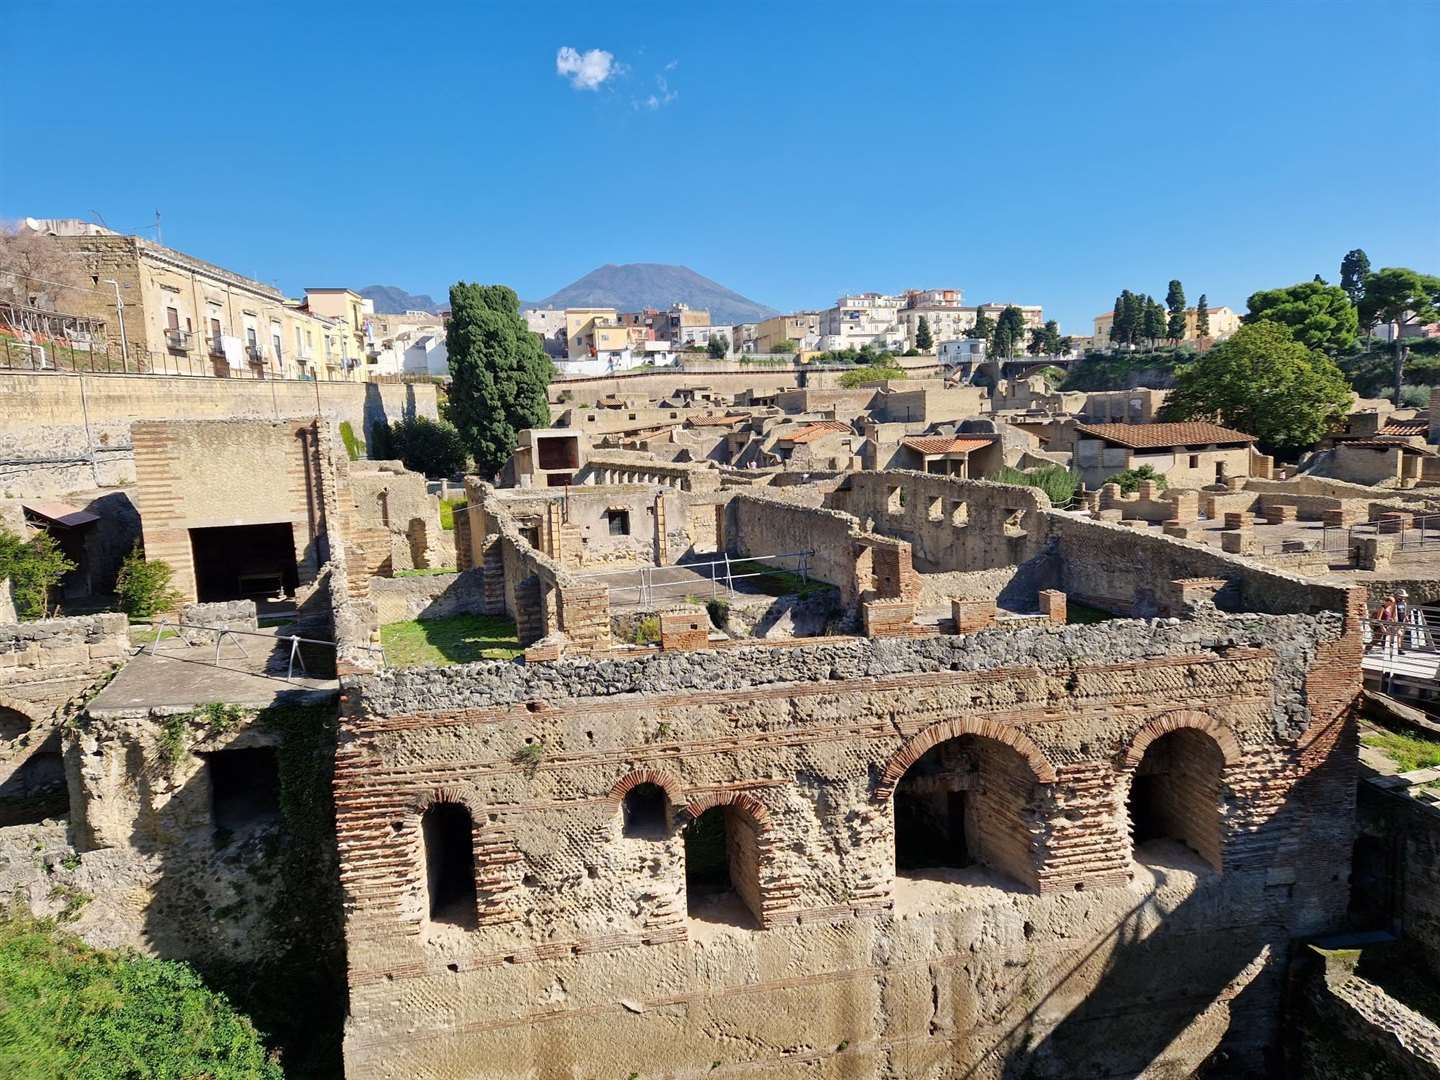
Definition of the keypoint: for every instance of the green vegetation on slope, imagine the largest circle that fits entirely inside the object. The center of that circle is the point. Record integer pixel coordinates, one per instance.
(456, 640)
(67, 1010)
(1410, 752)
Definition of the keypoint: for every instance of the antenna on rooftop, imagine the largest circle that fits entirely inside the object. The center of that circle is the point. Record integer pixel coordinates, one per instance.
(158, 238)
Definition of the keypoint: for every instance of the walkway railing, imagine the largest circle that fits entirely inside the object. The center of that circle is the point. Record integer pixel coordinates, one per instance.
(222, 633)
(721, 573)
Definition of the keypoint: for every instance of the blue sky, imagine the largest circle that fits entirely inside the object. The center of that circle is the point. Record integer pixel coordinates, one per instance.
(1048, 153)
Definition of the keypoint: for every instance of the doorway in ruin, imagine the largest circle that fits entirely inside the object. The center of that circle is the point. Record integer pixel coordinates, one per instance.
(36, 790)
(244, 562)
(965, 803)
(448, 833)
(244, 791)
(722, 868)
(645, 813)
(1174, 802)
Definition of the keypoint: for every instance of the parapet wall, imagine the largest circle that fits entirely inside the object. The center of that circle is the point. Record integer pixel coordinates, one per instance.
(61, 433)
(583, 958)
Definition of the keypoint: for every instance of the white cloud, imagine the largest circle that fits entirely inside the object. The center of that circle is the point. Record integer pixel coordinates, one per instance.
(662, 97)
(587, 70)
(672, 65)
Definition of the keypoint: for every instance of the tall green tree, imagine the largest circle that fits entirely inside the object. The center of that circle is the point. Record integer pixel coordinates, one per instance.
(1175, 305)
(1354, 269)
(1401, 297)
(718, 347)
(1153, 321)
(1037, 341)
(1202, 317)
(498, 371)
(1009, 331)
(1320, 316)
(923, 339)
(1052, 338)
(1265, 383)
(984, 328)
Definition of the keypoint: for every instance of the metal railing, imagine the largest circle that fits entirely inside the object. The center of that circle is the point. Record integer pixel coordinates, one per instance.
(721, 573)
(296, 657)
(202, 357)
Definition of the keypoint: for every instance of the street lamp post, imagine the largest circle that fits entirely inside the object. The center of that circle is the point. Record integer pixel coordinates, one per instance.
(120, 312)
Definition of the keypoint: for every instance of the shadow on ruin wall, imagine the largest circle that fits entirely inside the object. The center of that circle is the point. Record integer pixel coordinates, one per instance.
(1160, 972)
(256, 911)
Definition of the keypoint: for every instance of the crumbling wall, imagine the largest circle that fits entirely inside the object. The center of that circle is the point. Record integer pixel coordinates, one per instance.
(583, 961)
(953, 524)
(430, 596)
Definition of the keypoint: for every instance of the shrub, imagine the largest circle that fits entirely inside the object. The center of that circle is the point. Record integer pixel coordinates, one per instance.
(870, 375)
(88, 1014)
(719, 612)
(427, 446)
(34, 567)
(144, 586)
(1058, 482)
(354, 448)
(646, 631)
(1131, 479)
(1415, 397)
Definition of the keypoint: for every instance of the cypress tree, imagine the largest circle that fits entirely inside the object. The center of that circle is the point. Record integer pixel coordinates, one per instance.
(1202, 318)
(1175, 303)
(1354, 269)
(499, 373)
(923, 338)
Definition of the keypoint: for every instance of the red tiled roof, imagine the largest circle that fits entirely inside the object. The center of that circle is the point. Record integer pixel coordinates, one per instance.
(1405, 427)
(1153, 436)
(1389, 444)
(944, 444)
(811, 432)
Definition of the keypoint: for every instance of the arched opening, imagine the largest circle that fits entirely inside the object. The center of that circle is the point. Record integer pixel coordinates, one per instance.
(13, 724)
(36, 791)
(1174, 799)
(722, 867)
(449, 837)
(965, 803)
(645, 813)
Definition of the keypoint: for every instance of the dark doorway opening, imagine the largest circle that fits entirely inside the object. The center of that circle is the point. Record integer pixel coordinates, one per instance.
(646, 813)
(13, 724)
(722, 868)
(244, 791)
(558, 452)
(448, 833)
(244, 562)
(36, 791)
(1175, 797)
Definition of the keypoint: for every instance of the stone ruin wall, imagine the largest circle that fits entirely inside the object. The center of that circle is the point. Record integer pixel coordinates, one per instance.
(583, 963)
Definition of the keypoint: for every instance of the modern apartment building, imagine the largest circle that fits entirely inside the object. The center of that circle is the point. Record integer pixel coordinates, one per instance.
(802, 327)
(182, 311)
(862, 319)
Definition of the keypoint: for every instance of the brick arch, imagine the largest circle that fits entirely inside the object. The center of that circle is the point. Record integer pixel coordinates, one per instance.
(1183, 719)
(944, 731)
(448, 793)
(704, 800)
(666, 782)
(24, 709)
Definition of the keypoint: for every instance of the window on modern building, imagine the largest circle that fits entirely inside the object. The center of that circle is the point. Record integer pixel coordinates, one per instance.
(618, 522)
(645, 813)
(1175, 798)
(965, 802)
(722, 867)
(448, 833)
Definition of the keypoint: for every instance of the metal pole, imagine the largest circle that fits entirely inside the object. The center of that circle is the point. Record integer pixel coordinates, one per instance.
(120, 313)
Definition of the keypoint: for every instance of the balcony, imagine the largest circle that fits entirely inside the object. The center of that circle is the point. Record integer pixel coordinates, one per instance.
(256, 353)
(177, 340)
(217, 347)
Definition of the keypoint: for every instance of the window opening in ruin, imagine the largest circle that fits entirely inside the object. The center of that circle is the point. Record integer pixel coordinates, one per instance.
(936, 509)
(449, 837)
(965, 803)
(618, 522)
(36, 791)
(1174, 799)
(895, 501)
(13, 723)
(722, 868)
(558, 452)
(1194, 461)
(959, 513)
(244, 790)
(244, 562)
(646, 813)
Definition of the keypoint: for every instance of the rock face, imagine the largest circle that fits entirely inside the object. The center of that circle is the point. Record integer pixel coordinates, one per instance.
(1141, 816)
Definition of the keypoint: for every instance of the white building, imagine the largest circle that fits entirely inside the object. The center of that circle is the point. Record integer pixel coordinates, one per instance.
(862, 319)
(426, 355)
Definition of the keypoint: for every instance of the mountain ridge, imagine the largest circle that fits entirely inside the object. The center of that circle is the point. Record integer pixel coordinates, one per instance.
(393, 300)
(635, 286)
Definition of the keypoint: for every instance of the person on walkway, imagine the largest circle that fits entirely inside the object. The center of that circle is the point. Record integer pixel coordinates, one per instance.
(1388, 616)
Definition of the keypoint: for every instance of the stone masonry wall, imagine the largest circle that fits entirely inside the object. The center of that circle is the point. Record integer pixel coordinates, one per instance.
(582, 960)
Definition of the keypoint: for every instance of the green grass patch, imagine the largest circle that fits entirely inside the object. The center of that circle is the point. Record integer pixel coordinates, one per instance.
(1410, 752)
(773, 581)
(79, 1013)
(447, 511)
(435, 571)
(144, 635)
(456, 640)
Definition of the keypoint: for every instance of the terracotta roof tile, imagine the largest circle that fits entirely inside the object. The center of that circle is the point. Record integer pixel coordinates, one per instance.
(1151, 436)
(811, 432)
(1405, 427)
(944, 444)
